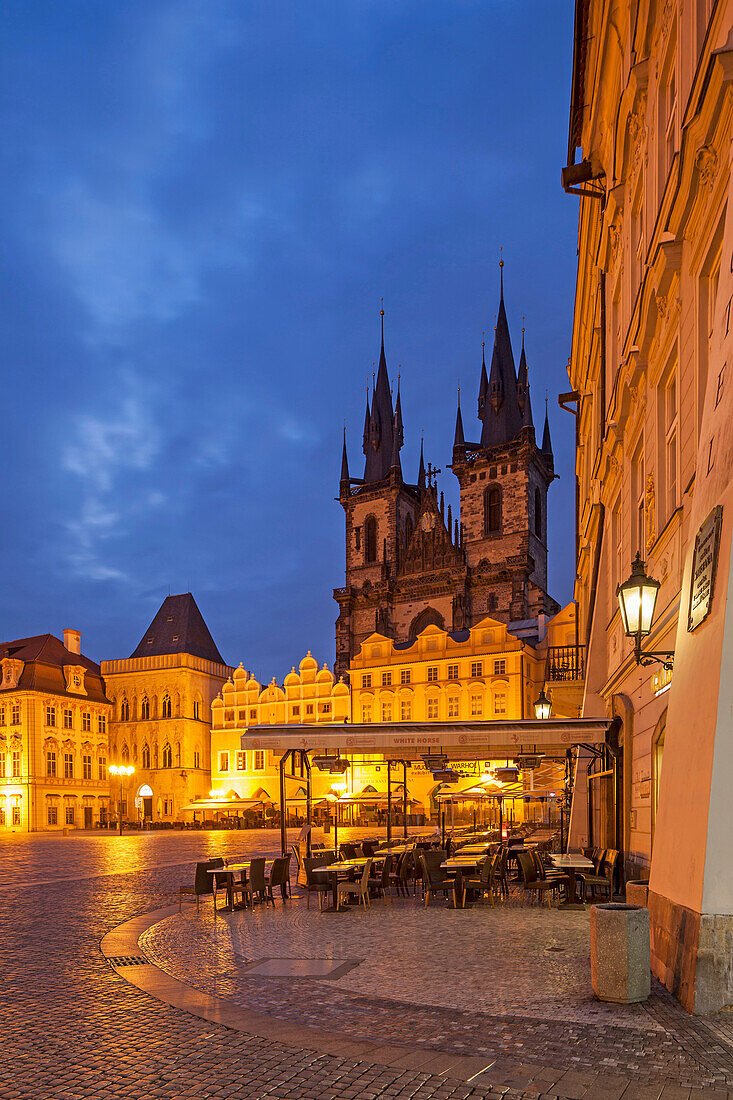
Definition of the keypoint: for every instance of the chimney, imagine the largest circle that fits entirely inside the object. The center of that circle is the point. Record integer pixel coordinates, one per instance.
(72, 640)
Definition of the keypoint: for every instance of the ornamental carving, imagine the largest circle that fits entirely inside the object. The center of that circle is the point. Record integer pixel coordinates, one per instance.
(12, 668)
(667, 12)
(651, 534)
(706, 163)
(637, 132)
(614, 244)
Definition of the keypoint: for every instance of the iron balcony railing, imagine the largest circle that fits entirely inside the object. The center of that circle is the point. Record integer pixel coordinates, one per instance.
(565, 662)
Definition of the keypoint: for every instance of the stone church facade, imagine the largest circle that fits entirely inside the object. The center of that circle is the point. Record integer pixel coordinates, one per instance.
(409, 562)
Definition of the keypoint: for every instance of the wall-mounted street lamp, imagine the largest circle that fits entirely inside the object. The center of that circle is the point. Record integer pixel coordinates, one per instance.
(122, 770)
(542, 706)
(637, 598)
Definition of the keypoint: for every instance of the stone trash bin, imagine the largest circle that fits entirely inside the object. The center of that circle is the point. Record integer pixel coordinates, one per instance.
(637, 891)
(619, 953)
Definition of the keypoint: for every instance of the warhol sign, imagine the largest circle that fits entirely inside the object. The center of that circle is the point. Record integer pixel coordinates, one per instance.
(704, 565)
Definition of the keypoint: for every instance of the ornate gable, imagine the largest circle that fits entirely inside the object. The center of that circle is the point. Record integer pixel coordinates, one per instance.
(430, 546)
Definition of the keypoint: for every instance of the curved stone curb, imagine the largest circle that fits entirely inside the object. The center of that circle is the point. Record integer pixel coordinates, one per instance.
(123, 942)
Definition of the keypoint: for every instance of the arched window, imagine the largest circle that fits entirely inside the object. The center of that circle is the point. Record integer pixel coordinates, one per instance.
(492, 510)
(125, 754)
(167, 756)
(124, 711)
(408, 530)
(146, 755)
(538, 513)
(370, 539)
(166, 708)
(178, 754)
(144, 708)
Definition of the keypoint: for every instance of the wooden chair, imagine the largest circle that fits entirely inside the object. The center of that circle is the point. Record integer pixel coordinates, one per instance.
(315, 881)
(360, 887)
(255, 885)
(203, 883)
(602, 879)
(279, 876)
(486, 881)
(382, 883)
(531, 881)
(434, 879)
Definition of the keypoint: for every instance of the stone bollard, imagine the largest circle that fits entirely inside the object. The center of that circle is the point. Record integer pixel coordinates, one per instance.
(66, 831)
(619, 952)
(637, 891)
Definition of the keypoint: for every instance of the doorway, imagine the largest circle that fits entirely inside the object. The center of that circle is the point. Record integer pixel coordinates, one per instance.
(88, 817)
(145, 794)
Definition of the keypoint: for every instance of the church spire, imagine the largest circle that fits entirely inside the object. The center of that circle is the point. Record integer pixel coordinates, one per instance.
(483, 389)
(459, 441)
(345, 481)
(381, 430)
(421, 469)
(546, 441)
(501, 416)
(523, 388)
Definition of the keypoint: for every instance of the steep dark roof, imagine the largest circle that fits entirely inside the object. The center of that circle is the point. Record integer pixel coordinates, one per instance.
(44, 657)
(501, 416)
(382, 429)
(178, 627)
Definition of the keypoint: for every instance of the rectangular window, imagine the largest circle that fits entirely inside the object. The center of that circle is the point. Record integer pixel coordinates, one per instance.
(102, 771)
(253, 714)
(241, 761)
(637, 489)
(196, 759)
(326, 708)
(259, 761)
(366, 714)
(309, 708)
(296, 710)
(386, 712)
(500, 702)
(477, 668)
(405, 676)
(68, 766)
(670, 444)
(477, 706)
(366, 680)
(196, 710)
(86, 722)
(15, 774)
(405, 710)
(228, 715)
(432, 674)
(3, 765)
(68, 718)
(86, 762)
(51, 764)
(166, 807)
(500, 667)
(452, 672)
(618, 551)
(2, 716)
(453, 706)
(69, 815)
(15, 715)
(223, 761)
(386, 679)
(242, 716)
(432, 708)
(50, 716)
(102, 724)
(52, 816)
(16, 815)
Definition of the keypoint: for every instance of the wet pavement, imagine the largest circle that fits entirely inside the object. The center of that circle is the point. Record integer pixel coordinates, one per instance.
(73, 1027)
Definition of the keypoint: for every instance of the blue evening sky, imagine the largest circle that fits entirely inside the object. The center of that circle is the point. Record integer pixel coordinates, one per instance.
(203, 202)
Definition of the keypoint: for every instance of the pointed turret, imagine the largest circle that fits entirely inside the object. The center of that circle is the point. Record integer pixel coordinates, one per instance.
(502, 417)
(546, 441)
(459, 440)
(367, 418)
(523, 389)
(483, 389)
(345, 480)
(381, 429)
(421, 469)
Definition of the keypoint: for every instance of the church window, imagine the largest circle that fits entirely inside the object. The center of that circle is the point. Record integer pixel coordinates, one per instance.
(366, 714)
(145, 708)
(492, 472)
(223, 761)
(492, 510)
(357, 537)
(500, 702)
(124, 711)
(146, 756)
(477, 668)
(500, 667)
(477, 706)
(241, 761)
(452, 672)
(538, 513)
(370, 539)
(196, 758)
(125, 754)
(178, 756)
(504, 469)
(453, 706)
(482, 476)
(386, 712)
(386, 679)
(491, 602)
(366, 680)
(167, 756)
(405, 710)
(432, 708)
(432, 674)
(166, 708)
(408, 530)
(196, 710)
(405, 676)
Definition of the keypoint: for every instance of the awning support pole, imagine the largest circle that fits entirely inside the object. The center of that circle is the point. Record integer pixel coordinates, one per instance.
(389, 802)
(309, 794)
(404, 798)
(283, 827)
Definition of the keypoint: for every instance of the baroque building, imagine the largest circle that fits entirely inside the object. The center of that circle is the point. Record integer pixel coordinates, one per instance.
(161, 717)
(652, 119)
(54, 715)
(409, 562)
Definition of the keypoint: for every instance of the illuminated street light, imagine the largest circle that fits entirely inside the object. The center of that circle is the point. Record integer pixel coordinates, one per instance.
(122, 770)
(542, 706)
(637, 598)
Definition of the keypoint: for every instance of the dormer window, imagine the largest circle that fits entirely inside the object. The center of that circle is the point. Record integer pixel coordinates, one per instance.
(74, 675)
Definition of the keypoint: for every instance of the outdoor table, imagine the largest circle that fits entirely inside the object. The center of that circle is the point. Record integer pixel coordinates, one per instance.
(230, 871)
(571, 864)
(473, 849)
(333, 869)
(458, 864)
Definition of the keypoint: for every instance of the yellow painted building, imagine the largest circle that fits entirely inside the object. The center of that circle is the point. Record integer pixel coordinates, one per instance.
(54, 717)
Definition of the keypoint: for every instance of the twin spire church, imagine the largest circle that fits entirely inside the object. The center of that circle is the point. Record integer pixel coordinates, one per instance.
(409, 562)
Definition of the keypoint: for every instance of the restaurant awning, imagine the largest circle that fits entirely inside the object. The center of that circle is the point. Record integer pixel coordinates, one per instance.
(223, 804)
(409, 740)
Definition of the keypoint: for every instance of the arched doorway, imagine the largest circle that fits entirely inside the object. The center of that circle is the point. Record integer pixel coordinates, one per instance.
(427, 617)
(145, 793)
(657, 754)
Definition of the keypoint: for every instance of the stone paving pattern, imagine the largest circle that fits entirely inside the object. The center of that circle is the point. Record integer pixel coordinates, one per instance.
(73, 1028)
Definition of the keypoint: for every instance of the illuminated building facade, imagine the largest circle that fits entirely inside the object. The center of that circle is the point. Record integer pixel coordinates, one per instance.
(649, 155)
(54, 728)
(411, 564)
(161, 712)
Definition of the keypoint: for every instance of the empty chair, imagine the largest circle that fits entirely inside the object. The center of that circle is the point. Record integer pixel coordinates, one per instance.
(381, 881)
(485, 881)
(348, 851)
(203, 883)
(434, 879)
(279, 876)
(368, 847)
(602, 878)
(315, 880)
(256, 884)
(359, 889)
(533, 883)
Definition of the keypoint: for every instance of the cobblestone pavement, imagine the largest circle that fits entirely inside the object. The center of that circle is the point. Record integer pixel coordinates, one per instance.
(73, 1028)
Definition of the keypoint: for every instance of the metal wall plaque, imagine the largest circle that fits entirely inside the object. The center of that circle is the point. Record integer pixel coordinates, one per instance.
(704, 566)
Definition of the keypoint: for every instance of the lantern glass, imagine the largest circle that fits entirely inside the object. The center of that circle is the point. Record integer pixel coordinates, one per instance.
(542, 707)
(637, 599)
